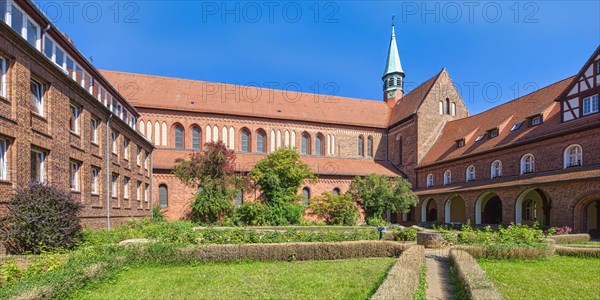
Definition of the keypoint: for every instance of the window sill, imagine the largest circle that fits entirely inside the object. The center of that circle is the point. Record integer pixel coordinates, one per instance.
(97, 206)
(4, 99)
(94, 194)
(38, 116)
(75, 192)
(95, 144)
(5, 182)
(77, 134)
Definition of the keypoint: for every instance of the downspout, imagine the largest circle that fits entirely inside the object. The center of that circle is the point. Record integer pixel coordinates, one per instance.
(108, 179)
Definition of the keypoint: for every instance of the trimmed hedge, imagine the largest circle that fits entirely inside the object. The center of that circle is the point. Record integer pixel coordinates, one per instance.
(474, 279)
(570, 238)
(283, 228)
(293, 251)
(578, 251)
(402, 281)
(508, 251)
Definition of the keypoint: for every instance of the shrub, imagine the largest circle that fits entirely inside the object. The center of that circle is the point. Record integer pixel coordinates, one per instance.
(251, 213)
(40, 218)
(335, 209)
(213, 203)
(377, 193)
(405, 234)
(284, 213)
(280, 175)
(513, 234)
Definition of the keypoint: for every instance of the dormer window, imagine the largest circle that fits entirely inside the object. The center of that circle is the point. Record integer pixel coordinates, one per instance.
(479, 138)
(516, 126)
(590, 105)
(535, 120)
(460, 143)
(493, 133)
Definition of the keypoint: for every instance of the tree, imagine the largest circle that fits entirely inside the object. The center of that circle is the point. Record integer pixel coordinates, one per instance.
(213, 171)
(280, 175)
(335, 209)
(377, 193)
(41, 218)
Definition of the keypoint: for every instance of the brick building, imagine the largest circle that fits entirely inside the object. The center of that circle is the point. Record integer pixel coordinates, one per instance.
(62, 122)
(533, 159)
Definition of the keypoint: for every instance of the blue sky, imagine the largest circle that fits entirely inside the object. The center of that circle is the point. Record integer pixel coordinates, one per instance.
(493, 51)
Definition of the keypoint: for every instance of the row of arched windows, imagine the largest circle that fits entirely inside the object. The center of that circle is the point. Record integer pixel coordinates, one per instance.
(447, 107)
(158, 133)
(572, 157)
(361, 146)
(306, 194)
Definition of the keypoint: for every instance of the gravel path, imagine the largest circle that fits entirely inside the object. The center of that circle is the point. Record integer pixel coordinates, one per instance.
(439, 283)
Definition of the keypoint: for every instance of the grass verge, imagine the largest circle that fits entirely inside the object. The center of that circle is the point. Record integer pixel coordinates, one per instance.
(555, 277)
(340, 279)
(420, 294)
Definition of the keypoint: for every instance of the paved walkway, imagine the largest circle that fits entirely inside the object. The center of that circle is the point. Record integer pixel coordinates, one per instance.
(439, 283)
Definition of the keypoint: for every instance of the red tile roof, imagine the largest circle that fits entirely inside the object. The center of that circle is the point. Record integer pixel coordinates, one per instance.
(165, 159)
(178, 94)
(503, 117)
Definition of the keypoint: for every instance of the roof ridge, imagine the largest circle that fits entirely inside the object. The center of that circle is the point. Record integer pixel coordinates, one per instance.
(244, 86)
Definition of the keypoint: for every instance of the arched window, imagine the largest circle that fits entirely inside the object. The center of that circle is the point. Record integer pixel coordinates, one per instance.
(178, 137)
(447, 177)
(239, 198)
(335, 192)
(245, 140)
(496, 169)
(527, 164)
(165, 137)
(305, 144)
(196, 138)
(361, 151)
(530, 210)
(447, 106)
(163, 196)
(319, 145)
(305, 195)
(470, 173)
(441, 107)
(370, 146)
(573, 156)
(453, 109)
(261, 141)
(430, 180)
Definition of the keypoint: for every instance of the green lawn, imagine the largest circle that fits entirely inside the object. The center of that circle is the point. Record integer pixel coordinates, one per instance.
(557, 277)
(339, 279)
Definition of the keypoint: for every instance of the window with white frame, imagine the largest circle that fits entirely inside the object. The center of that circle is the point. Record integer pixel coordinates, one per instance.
(573, 156)
(126, 187)
(527, 164)
(37, 162)
(470, 173)
(113, 185)
(36, 97)
(537, 120)
(74, 175)
(94, 133)
(126, 148)
(114, 137)
(3, 160)
(21, 23)
(3, 72)
(95, 180)
(74, 119)
(590, 105)
(447, 177)
(496, 169)
(430, 180)
(146, 193)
